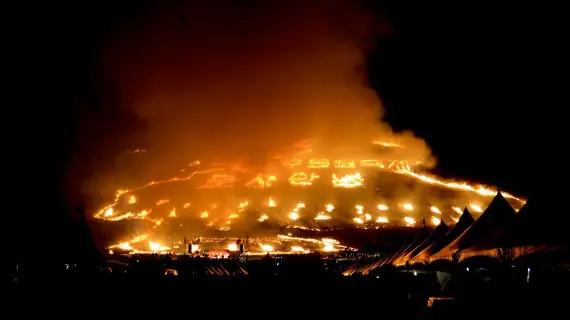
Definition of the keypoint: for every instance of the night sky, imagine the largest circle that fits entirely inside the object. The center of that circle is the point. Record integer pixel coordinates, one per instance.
(475, 81)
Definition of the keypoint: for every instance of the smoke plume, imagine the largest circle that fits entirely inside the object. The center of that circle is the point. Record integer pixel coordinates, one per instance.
(227, 80)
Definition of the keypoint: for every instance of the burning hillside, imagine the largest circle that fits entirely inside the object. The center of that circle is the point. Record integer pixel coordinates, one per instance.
(237, 91)
(304, 192)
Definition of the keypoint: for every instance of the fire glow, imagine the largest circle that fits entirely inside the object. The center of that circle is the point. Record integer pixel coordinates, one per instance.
(289, 212)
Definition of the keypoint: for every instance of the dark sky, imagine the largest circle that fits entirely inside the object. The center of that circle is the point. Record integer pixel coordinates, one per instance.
(476, 81)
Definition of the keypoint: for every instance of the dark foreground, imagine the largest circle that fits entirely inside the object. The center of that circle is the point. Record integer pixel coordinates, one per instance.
(305, 288)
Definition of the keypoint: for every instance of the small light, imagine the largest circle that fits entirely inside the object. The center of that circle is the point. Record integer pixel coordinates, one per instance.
(467, 269)
(528, 269)
(377, 277)
(277, 263)
(415, 273)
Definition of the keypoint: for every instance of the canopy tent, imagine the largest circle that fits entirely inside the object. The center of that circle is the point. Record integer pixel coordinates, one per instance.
(438, 233)
(399, 259)
(538, 225)
(492, 222)
(465, 221)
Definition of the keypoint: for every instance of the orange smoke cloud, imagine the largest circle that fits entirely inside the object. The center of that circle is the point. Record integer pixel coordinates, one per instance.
(225, 81)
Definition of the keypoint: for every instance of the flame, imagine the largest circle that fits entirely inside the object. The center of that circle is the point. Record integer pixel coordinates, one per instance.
(327, 243)
(160, 202)
(143, 213)
(120, 192)
(387, 144)
(480, 189)
(358, 220)
(302, 179)
(329, 247)
(382, 220)
(476, 207)
(410, 221)
(233, 216)
(344, 164)
(322, 216)
(293, 216)
(297, 249)
(300, 205)
(455, 219)
(318, 163)
(233, 247)
(295, 163)
(263, 218)
(359, 209)
(204, 215)
(382, 207)
(127, 215)
(435, 220)
(367, 217)
(457, 209)
(132, 200)
(156, 247)
(125, 246)
(272, 202)
(187, 205)
(348, 181)
(243, 204)
(266, 247)
(139, 238)
(173, 213)
(109, 212)
(434, 209)
(407, 206)
(372, 163)
(260, 182)
(329, 207)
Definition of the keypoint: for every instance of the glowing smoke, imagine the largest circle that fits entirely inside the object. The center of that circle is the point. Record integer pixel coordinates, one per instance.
(227, 82)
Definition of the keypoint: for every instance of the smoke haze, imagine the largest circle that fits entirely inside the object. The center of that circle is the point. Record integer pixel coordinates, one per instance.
(227, 80)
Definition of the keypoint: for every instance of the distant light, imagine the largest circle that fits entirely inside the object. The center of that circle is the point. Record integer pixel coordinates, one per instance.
(527, 275)
(476, 207)
(435, 209)
(457, 209)
(467, 269)
(382, 207)
(435, 220)
(377, 277)
(415, 273)
(358, 220)
(293, 216)
(382, 220)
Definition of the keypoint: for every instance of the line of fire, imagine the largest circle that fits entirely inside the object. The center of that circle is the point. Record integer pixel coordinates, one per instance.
(299, 204)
